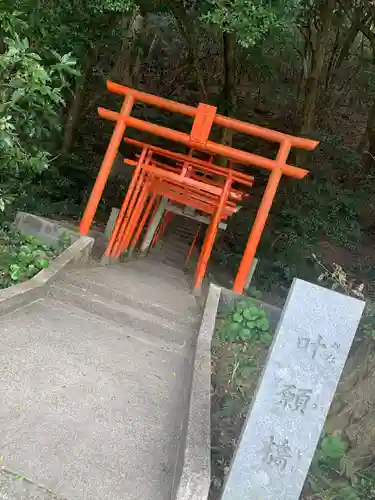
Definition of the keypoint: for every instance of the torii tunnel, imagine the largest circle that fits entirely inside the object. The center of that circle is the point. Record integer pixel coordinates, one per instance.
(186, 179)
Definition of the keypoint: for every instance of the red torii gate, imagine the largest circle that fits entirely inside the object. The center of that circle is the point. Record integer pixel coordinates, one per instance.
(204, 118)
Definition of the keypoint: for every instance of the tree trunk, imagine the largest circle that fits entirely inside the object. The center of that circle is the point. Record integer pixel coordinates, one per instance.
(332, 59)
(194, 55)
(369, 156)
(188, 30)
(229, 89)
(346, 46)
(128, 64)
(305, 70)
(362, 143)
(230, 77)
(338, 60)
(77, 101)
(317, 66)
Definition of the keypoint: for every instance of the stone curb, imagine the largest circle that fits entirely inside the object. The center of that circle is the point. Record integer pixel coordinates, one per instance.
(195, 476)
(19, 295)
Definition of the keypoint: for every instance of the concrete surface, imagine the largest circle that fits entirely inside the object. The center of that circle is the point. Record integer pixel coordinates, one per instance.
(111, 223)
(94, 381)
(153, 225)
(16, 487)
(50, 232)
(47, 231)
(251, 274)
(194, 483)
(294, 394)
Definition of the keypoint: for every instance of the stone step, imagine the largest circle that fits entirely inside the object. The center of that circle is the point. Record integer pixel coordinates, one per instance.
(158, 270)
(180, 244)
(161, 299)
(183, 222)
(175, 245)
(183, 236)
(88, 410)
(152, 266)
(188, 235)
(155, 277)
(142, 280)
(180, 236)
(145, 325)
(173, 260)
(174, 254)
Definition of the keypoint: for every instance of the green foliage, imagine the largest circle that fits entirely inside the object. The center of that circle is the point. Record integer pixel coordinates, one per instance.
(81, 25)
(333, 477)
(332, 448)
(21, 257)
(243, 328)
(367, 324)
(365, 485)
(31, 87)
(246, 322)
(250, 20)
(121, 6)
(230, 406)
(65, 240)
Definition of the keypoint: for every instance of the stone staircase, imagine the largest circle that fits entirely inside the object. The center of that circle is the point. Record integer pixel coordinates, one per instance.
(174, 246)
(95, 381)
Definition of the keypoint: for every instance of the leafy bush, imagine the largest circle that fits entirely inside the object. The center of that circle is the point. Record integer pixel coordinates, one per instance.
(251, 21)
(31, 99)
(246, 322)
(21, 257)
(333, 477)
(244, 329)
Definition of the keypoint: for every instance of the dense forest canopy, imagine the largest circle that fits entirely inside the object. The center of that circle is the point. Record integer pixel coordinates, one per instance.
(304, 66)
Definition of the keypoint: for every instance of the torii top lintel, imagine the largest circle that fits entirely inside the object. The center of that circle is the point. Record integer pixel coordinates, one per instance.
(204, 117)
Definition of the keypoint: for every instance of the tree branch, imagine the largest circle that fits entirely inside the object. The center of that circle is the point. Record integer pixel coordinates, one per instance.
(362, 24)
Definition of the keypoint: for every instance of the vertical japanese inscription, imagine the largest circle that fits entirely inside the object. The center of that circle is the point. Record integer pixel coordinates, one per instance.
(319, 349)
(293, 398)
(277, 454)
